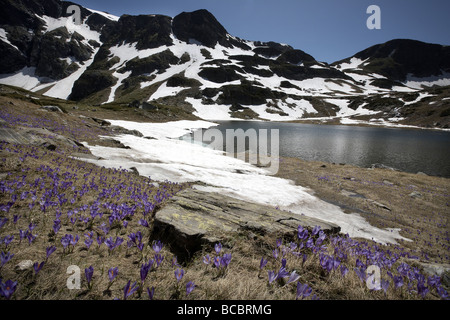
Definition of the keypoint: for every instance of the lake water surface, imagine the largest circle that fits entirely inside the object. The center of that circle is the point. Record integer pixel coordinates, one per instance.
(410, 150)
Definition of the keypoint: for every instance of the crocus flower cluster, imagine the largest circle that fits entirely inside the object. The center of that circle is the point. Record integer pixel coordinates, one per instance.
(79, 199)
(220, 262)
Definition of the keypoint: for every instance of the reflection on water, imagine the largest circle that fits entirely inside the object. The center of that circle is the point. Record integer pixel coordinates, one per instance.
(408, 150)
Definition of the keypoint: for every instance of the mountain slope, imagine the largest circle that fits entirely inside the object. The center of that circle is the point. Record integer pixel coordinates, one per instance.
(402, 60)
(191, 63)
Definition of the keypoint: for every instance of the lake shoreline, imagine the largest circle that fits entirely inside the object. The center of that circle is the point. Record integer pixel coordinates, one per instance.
(385, 198)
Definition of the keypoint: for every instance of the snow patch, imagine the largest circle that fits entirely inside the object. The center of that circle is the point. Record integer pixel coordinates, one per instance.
(4, 38)
(165, 91)
(180, 161)
(106, 15)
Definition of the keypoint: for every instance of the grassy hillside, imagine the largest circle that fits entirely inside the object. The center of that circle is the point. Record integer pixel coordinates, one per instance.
(59, 213)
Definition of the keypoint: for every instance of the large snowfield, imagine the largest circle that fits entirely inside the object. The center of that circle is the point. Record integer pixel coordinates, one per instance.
(166, 157)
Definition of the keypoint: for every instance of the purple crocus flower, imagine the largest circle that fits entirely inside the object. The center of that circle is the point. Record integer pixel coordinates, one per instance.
(3, 221)
(129, 290)
(302, 233)
(344, 270)
(4, 258)
(384, 285)
(112, 273)
(31, 237)
(278, 243)
(65, 241)
(272, 276)
(275, 254)
(441, 291)
(89, 272)
(315, 230)
(225, 261)
(361, 273)
(217, 261)
(262, 263)
(15, 219)
(304, 258)
(56, 226)
(179, 273)
(207, 259)
(143, 223)
(158, 259)
(110, 243)
(38, 266)
(282, 273)
(422, 289)
(434, 281)
(88, 242)
(190, 286)
(157, 246)
(175, 262)
(218, 247)
(310, 243)
(8, 288)
(151, 293)
(132, 237)
(303, 290)
(293, 277)
(398, 281)
(100, 240)
(74, 240)
(144, 271)
(7, 240)
(50, 250)
(118, 242)
(22, 234)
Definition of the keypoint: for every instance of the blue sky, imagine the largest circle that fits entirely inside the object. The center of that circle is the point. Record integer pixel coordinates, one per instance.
(329, 30)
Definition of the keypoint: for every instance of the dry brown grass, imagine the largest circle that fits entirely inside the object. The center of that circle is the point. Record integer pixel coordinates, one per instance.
(242, 279)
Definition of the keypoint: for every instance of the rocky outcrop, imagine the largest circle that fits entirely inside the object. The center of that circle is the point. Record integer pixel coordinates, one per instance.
(36, 137)
(146, 31)
(194, 218)
(90, 82)
(200, 26)
(157, 62)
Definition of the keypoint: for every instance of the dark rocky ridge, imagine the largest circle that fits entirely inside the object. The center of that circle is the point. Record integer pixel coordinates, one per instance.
(203, 27)
(397, 58)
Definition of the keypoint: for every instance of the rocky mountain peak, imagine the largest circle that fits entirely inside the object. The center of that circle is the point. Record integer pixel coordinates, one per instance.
(200, 26)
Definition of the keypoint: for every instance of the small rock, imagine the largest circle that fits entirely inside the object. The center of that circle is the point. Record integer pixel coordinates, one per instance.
(48, 146)
(380, 205)
(101, 121)
(24, 265)
(134, 170)
(415, 195)
(421, 173)
(52, 108)
(387, 182)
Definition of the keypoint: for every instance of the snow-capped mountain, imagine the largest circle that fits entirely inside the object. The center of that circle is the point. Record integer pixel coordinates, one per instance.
(191, 63)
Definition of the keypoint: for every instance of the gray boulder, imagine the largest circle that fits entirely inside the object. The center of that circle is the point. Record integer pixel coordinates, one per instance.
(194, 218)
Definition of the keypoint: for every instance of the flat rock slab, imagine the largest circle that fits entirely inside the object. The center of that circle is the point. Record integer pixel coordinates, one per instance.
(34, 137)
(193, 218)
